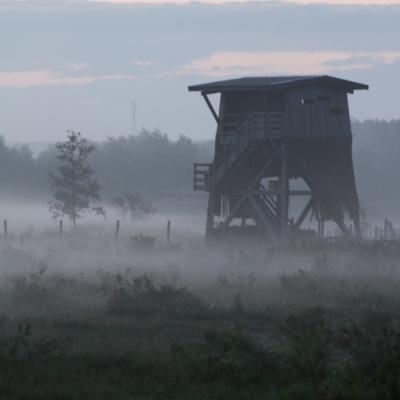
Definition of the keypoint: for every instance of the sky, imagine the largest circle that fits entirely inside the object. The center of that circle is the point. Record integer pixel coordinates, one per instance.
(81, 64)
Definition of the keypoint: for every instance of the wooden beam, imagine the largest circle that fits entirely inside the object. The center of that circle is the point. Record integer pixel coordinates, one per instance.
(268, 226)
(210, 106)
(291, 192)
(343, 227)
(210, 217)
(300, 192)
(284, 178)
(261, 173)
(231, 215)
(276, 149)
(304, 213)
(357, 228)
(271, 202)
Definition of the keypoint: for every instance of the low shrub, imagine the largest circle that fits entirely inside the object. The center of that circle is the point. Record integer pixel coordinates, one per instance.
(229, 356)
(309, 347)
(140, 296)
(34, 287)
(142, 242)
(22, 347)
(299, 281)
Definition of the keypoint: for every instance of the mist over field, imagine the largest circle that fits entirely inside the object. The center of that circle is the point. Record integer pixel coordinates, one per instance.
(161, 168)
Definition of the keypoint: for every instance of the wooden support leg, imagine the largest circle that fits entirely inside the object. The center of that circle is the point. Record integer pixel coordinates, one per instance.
(304, 213)
(269, 228)
(232, 214)
(357, 228)
(252, 184)
(284, 192)
(321, 228)
(210, 217)
(343, 227)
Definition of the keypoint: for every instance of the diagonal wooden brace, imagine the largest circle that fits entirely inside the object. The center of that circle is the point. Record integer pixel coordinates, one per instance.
(235, 209)
(305, 212)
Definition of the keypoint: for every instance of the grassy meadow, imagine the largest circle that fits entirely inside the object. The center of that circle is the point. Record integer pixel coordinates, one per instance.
(83, 317)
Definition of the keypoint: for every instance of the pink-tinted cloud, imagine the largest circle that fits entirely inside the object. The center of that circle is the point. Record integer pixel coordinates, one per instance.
(350, 2)
(224, 63)
(24, 79)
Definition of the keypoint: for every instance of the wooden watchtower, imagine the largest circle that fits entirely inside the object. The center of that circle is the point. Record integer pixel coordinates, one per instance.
(272, 133)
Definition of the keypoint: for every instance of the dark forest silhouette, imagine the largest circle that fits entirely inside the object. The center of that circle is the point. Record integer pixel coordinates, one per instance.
(153, 164)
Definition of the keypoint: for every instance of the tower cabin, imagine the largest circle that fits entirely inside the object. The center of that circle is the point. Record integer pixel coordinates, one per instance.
(272, 133)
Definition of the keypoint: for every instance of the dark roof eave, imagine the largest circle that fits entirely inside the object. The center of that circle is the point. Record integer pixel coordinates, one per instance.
(217, 87)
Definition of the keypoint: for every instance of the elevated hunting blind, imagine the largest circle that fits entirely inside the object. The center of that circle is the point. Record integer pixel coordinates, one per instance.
(273, 132)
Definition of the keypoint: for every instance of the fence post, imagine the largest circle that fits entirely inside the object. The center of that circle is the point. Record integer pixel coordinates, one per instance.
(168, 231)
(5, 227)
(385, 230)
(117, 230)
(60, 227)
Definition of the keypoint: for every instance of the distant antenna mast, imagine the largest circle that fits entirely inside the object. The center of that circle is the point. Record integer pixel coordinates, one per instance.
(133, 117)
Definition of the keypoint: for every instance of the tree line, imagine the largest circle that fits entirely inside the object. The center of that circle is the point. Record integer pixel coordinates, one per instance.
(376, 150)
(154, 165)
(149, 163)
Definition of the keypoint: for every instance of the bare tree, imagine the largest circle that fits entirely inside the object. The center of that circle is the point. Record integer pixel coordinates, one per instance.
(133, 204)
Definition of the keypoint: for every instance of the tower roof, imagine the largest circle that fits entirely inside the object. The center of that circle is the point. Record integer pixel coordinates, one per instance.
(275, 82)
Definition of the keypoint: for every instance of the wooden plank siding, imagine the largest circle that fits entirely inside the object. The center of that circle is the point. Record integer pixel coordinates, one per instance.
(317, 111)
(307, 111)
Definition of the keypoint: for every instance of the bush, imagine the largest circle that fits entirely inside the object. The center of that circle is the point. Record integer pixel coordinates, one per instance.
(140, 296)
(299, 281)
(309, 345)
(21, 347)
(230, 356)
(33, 288)
(143, 242)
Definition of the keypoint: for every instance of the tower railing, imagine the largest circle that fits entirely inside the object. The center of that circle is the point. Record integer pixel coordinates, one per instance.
(239, 131)
(233, 151)
(238, 127)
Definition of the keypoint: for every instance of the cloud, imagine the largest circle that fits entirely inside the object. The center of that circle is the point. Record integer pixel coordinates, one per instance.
(349, 2)
(76, 66)
(141, 63)
(220, 64)
(24, 79)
